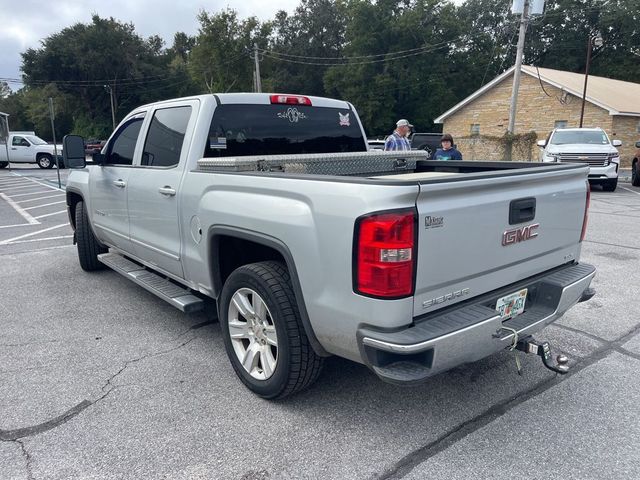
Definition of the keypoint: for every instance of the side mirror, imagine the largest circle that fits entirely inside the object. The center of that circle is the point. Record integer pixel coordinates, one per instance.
(542, 143)
(99, 158)
(73, 151)
(616, 143)
(637, 144)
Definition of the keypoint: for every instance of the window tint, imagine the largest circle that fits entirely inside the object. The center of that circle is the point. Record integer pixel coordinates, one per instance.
(19, 142)
(166, 136)
(239, 130)
(124, 144)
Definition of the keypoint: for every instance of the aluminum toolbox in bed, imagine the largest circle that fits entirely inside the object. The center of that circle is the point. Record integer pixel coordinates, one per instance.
(351, 163)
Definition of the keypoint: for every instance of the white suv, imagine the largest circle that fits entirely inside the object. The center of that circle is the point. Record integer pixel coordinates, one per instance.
(590, 146)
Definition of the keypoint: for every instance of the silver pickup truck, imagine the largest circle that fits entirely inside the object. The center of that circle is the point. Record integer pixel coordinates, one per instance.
(313, 246)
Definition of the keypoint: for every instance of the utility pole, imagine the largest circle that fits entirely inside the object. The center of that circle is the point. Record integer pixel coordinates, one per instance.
(255, 57)
(517, 71)
(597, 41)
(109, 89)
(55, 145)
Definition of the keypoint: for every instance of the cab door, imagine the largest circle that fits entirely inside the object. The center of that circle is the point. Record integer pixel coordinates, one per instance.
(109, 186)
(154, 184)
(21, 151)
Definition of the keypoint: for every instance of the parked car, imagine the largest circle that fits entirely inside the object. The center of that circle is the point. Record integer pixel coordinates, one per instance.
(312, 246)
(94, 146)
(375, 144)
(587, 146)
(635, 167)
(26, 147)
(429, 142)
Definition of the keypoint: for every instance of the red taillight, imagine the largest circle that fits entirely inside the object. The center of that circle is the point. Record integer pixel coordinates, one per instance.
(290, 99)
(586, 213)
(385, 250)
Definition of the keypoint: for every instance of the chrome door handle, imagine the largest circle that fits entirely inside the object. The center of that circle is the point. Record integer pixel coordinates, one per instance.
(167, 191)
(119, 183)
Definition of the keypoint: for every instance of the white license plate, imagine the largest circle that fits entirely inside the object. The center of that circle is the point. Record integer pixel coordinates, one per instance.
(511, 305)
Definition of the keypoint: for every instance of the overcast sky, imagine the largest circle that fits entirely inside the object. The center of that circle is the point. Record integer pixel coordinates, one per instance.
(26, 22)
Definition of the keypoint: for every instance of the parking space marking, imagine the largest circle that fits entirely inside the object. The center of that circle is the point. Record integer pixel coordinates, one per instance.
(49, 214)
(21, 211)
(27, 235)
(18, 225)
(30, 193)
(40, 198)
(20, 187)
(46, 205)
(41, 239)
(13, 183)
(629, 190)
(39, 182)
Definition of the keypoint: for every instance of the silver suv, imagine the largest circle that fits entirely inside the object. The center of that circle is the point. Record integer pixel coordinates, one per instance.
(590, 146)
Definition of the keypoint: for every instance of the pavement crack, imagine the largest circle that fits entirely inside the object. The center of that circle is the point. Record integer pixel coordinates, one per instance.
(27, 458)
(407, 463)
(628, 353)
(612, 244)
(581, 332)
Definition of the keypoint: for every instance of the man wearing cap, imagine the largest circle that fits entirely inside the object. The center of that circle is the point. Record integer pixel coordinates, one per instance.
(447, 152)
(398, 139)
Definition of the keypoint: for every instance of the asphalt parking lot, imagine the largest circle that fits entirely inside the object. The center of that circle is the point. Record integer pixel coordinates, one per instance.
(100, 379)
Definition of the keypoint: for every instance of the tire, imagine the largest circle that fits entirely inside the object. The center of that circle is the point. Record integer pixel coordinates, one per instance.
(610, 185)
(88, 247)
(635, 174)
(45, 161)
(4, 164)
(283, 360)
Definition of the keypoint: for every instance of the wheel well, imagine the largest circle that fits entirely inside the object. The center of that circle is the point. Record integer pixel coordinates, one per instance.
(229, 253)
(42, 154)
(72, 202)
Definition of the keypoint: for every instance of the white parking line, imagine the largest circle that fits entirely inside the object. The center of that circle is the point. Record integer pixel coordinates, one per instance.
(41, 198)
(26, 235)
(20, 187)
(21, 211)
(17, 225)
(41, 183)
(41, 239)
(13, 183)
(30, 193)
(629, 190)
(46, 205)
(49, 214)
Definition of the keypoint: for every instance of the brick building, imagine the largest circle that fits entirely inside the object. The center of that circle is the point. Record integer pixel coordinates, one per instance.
(547, 99)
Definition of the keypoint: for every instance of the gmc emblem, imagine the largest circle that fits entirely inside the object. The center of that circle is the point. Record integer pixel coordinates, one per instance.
(518, 235)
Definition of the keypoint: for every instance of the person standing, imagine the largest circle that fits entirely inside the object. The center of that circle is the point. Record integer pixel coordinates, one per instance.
(447, 152)
(398, 139)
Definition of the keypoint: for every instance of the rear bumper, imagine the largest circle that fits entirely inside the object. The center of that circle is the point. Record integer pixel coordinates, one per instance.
(472, 330)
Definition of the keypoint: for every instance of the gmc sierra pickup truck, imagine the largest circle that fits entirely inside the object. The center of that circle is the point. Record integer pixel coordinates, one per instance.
(312, 246)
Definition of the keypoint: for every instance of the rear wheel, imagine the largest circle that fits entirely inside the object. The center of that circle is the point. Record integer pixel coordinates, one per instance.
(4, 164)
(635, 174)
(88, 246)
(45, 161)
(610, 185)
(263, 333)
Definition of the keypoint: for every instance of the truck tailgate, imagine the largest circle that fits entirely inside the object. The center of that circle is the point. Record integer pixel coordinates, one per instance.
(468, 244)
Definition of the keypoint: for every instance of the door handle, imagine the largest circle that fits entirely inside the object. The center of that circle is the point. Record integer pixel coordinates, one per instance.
(167, 191)
(13, 148)
(119, 183)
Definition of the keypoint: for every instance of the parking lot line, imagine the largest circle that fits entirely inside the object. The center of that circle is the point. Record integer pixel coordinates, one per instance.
(30, 193)
(41, 239)
(41, 198)
(13, 183)
(49, 214)
(629, 190)
(46, 205)
(21, 211)
(20, 187)
(17, 225)
(41, 183)
(26, 235)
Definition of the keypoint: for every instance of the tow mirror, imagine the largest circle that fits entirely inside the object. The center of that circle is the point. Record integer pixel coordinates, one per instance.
(73, 151)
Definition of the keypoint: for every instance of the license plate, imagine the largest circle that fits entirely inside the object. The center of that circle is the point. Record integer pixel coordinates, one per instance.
(511, 305)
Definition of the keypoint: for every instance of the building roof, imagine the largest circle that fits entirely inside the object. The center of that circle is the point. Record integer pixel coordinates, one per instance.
(616, 96)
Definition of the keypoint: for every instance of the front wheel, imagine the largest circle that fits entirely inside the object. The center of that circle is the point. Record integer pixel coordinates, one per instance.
(88, 246)
(263, 333)
(635, 174)
(610, 185)
(45, 161)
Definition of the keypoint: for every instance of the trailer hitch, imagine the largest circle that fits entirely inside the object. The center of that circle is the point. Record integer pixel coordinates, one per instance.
(543, 350)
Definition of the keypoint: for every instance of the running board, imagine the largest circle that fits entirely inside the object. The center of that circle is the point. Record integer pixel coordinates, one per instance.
(179, 297)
